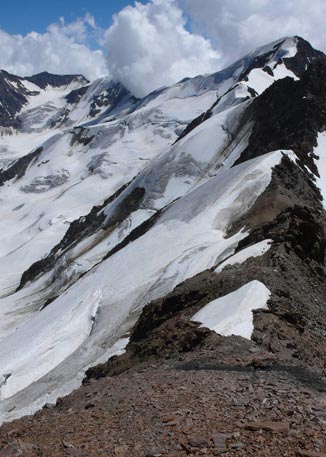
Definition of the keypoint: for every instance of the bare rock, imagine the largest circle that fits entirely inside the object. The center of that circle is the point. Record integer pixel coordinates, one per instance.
(275, 427)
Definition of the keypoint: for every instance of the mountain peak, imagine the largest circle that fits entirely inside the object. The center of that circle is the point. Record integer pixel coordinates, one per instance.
(306, 54)
(45, 79)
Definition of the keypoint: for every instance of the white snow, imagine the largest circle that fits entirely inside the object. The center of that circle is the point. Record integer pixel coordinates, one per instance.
(320, 151)
(288, 49)
(14, 146)
(260, 80)
(232, 314)
(37, 347)
(280, 72)
(51, 95)
(46, 106)
(80, 113)
(50, 395)
(46, 351)
(186, 240)
(256, 250)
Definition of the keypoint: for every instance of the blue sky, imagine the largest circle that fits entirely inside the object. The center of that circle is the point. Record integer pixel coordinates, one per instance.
(35, 15)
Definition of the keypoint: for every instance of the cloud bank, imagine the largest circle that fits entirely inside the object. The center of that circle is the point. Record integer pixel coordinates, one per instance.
(236, 27)
(149, 46)
(153, 44)
(158, 42)
(61, 49)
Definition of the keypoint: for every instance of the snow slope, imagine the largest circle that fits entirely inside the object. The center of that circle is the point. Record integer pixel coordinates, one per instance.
(188, 238)
(166, 204)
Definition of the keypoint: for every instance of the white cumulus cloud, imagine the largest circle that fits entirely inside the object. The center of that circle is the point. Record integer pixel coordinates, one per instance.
(236, 26)
(149, 46)
(61, 49)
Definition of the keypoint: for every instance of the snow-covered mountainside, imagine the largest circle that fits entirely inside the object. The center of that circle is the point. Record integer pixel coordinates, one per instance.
(110, 204)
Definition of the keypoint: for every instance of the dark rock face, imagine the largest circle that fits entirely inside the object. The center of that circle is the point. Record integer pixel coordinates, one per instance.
(80, 136)
(12, 97)
(88, 225)
(306, 53)
(48, 79)
(75, 95)
(18, 168)
(177, 336)
(289, 115)
(293, 187)
(193, 124)
(154, 315)
(78, 230)
(110, 98)
(13, 93)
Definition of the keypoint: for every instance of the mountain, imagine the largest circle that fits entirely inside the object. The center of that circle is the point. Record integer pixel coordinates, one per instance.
(186, 228)
(17, 93)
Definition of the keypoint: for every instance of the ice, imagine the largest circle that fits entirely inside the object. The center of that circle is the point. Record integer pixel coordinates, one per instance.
(46, 107)
(320, 151)
(31, 231)
(187, 239)
(14, 146)
(63, 388)
(232, 314)
(288, 48)
(45, 341)
(256, 250)
(93, 299)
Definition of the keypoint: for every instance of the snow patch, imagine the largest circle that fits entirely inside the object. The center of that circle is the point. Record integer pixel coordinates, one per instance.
(255, 250)
(232, 314)
(320, 151)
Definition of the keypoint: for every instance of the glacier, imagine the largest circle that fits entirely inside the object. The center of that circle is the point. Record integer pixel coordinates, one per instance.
(160, 178)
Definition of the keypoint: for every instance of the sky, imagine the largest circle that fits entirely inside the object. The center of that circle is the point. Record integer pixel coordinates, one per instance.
(149, 43)
(17, 18)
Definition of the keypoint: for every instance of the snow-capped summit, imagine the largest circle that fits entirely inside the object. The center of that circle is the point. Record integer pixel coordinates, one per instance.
(111, 204)
(17, 92)
(45, 79)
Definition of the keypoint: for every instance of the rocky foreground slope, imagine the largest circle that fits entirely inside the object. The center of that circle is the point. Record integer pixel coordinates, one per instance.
(184, 233)
(177, 412)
